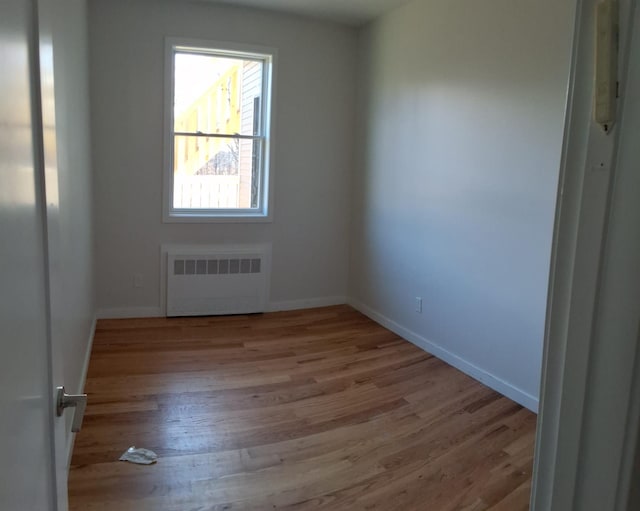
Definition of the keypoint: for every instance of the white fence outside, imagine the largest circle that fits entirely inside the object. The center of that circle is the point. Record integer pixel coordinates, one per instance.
(191, 192)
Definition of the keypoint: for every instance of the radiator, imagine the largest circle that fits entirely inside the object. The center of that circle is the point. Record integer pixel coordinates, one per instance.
(216, 280)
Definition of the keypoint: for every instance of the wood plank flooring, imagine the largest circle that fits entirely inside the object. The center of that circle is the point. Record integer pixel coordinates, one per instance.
(310, 410)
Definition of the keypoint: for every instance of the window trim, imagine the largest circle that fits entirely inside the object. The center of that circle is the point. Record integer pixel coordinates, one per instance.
(266, 55)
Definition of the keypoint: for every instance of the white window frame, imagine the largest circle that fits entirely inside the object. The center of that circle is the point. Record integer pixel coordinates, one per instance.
(268, 57)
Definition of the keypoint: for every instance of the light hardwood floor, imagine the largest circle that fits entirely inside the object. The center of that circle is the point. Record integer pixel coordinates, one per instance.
(309, 410)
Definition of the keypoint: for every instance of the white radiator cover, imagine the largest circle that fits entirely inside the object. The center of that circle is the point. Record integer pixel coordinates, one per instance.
(215, 280)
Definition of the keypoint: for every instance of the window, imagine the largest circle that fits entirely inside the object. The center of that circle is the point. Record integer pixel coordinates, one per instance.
(217, 135)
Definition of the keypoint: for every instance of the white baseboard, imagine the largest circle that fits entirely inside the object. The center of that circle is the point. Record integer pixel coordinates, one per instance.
(309, 303)
(156, 312)
(488, 379)
(87, 356)
(83, 381)
(130, 312)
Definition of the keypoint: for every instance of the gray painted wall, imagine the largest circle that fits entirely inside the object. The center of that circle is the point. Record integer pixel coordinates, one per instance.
(314, 124)
(461, 119)
(71, 230)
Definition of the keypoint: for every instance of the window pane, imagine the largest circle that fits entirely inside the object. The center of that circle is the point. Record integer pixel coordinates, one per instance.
(215, 173)
(217, 94)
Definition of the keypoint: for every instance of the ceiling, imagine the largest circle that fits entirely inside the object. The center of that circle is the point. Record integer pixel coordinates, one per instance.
(352, 12)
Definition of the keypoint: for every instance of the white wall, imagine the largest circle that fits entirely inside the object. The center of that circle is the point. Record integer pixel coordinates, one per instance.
(314, 123)
(70, 224)
(461, 123)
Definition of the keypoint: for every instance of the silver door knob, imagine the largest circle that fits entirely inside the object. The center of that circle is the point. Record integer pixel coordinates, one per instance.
(77, 401)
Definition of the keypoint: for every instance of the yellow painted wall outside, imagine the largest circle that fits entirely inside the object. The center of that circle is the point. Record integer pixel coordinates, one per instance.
(217, 110)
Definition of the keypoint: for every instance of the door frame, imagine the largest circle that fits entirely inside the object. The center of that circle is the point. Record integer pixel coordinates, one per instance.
(577, 427)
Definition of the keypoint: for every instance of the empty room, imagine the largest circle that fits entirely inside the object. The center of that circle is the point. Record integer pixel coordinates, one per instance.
(319, 255)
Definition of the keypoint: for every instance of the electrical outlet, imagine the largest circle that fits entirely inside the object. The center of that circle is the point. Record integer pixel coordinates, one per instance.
(137, 280)
(419, 304)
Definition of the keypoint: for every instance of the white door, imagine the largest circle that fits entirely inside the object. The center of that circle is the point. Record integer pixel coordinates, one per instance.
(29, 480)
(51, 204)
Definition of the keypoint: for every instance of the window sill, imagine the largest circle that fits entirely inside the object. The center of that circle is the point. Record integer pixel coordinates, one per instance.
(202, 218)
